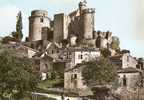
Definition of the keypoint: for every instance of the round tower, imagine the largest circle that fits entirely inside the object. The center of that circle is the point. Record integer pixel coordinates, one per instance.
(37, 20)
(88, 23)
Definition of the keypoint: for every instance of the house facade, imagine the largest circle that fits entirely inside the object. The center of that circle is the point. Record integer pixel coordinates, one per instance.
(73, 79)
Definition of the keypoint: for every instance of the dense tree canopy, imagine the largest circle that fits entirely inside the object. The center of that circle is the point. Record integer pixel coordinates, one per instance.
(115, 43)
(105, 52)
(100, 71)
(6, 39)
(18, 35)
(17, 73)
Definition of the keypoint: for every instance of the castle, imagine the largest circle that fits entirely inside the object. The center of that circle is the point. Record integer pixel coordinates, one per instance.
(73, 29)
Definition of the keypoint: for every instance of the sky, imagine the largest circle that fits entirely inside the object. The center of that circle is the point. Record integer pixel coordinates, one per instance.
(125, 18)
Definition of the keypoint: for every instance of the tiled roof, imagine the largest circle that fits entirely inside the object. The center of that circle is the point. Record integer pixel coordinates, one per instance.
(116, 56)
(80, 49)
(129, 70)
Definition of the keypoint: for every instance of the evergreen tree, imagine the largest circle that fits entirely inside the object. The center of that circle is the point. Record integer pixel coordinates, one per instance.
(18, 35)
(115, 43)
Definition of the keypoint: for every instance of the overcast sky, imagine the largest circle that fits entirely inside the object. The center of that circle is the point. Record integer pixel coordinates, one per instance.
(125, 18)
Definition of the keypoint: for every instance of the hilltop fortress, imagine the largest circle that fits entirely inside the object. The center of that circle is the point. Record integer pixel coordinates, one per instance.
(66, 41)
(73, 29)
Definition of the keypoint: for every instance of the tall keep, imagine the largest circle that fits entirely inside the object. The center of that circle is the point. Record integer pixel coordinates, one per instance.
(37, 20)
(88, 23)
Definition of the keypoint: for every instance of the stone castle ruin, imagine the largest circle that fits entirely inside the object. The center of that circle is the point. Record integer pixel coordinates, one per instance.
(37, 21)
(76, 28)
(71, 39)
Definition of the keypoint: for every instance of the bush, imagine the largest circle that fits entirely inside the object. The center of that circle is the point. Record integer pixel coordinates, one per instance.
(39, 97)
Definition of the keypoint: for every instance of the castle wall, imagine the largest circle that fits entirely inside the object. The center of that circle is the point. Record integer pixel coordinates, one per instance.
(45, 31)
(88, 23)
(128, 61)
(61, 23)
(75, 27)
(81, 56)
(37, 20)
(66, 25)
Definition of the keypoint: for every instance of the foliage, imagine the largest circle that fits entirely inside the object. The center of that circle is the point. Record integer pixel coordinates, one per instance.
(19, 97)
(32, 97)
(115, 43)
(6, 39)
(44, 98)
(58, 70)
(125, 51)
(18, 33)
(49, 84)
(100, 71)
(17, 74)
(65, 42)
(105, 52)
(15, 35)
(83, 44)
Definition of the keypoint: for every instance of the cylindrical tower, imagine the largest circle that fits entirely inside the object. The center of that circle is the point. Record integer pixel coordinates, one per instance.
(37, 20)
(88, 23)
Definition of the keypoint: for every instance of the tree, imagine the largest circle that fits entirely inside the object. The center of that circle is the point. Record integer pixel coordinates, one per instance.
(98, 74)
(125, 51)
(18, 35)
(105, 52)
(15, 35)
(65, 42)
(6, 39)
(100, 71)
(17, 74)
(115, 43)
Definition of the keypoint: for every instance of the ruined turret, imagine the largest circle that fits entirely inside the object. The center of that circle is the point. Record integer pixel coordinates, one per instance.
(38, 20)
(88, 23)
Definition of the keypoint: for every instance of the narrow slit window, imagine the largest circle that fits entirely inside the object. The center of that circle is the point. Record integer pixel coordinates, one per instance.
(41, 20)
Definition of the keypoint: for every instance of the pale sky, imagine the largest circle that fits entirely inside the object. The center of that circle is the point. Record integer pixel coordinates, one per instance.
(125, 18)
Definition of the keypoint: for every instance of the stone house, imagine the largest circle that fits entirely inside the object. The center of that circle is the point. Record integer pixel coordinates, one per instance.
(128, 72)
(77, 55)
(73, 72)
(73, 81)
(124, 60)
(47, 59)
(129, 77)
